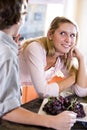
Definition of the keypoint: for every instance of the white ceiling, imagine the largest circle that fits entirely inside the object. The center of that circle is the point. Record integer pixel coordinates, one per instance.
(45, 1)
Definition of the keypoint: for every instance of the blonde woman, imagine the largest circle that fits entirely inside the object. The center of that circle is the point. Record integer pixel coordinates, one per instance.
(43, 57)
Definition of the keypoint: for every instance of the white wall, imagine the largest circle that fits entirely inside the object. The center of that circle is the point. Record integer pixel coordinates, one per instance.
(53, 10)
(70, 8)
(45, 1)
(82, 21)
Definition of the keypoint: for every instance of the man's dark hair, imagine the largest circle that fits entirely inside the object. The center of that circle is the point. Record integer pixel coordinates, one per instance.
(10, 12)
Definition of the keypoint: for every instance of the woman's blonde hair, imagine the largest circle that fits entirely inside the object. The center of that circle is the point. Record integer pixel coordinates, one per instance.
(55, 24)
(47, 43)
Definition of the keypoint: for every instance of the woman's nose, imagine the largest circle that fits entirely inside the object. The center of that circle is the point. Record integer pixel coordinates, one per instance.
(68, 39)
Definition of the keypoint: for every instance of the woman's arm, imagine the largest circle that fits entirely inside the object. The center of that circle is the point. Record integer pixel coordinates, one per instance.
(82, 74)
(35, 57)
(67, 82)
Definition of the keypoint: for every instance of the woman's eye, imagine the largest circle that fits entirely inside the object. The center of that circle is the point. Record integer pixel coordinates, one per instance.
(62, 33)
(72, 35)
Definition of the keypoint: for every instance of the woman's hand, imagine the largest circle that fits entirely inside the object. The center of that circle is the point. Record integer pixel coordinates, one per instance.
(81, 76)
(74, 52)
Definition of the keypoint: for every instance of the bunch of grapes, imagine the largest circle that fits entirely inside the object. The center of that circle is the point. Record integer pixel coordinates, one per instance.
(56, 105)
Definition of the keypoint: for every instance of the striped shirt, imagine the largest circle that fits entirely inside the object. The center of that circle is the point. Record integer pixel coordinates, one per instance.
(9, 79)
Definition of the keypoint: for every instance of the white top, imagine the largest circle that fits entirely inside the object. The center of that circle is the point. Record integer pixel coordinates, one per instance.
(32, 72)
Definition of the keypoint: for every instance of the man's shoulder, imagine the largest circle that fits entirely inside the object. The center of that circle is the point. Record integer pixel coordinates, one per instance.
(5, 52)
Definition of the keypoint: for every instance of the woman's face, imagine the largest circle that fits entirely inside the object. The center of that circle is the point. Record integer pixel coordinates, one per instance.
(64, 38)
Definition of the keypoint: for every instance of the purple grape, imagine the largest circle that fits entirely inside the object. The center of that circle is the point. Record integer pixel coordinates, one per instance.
(55, 106)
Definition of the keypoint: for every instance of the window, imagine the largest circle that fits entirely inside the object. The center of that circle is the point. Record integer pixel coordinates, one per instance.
(39, 17)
